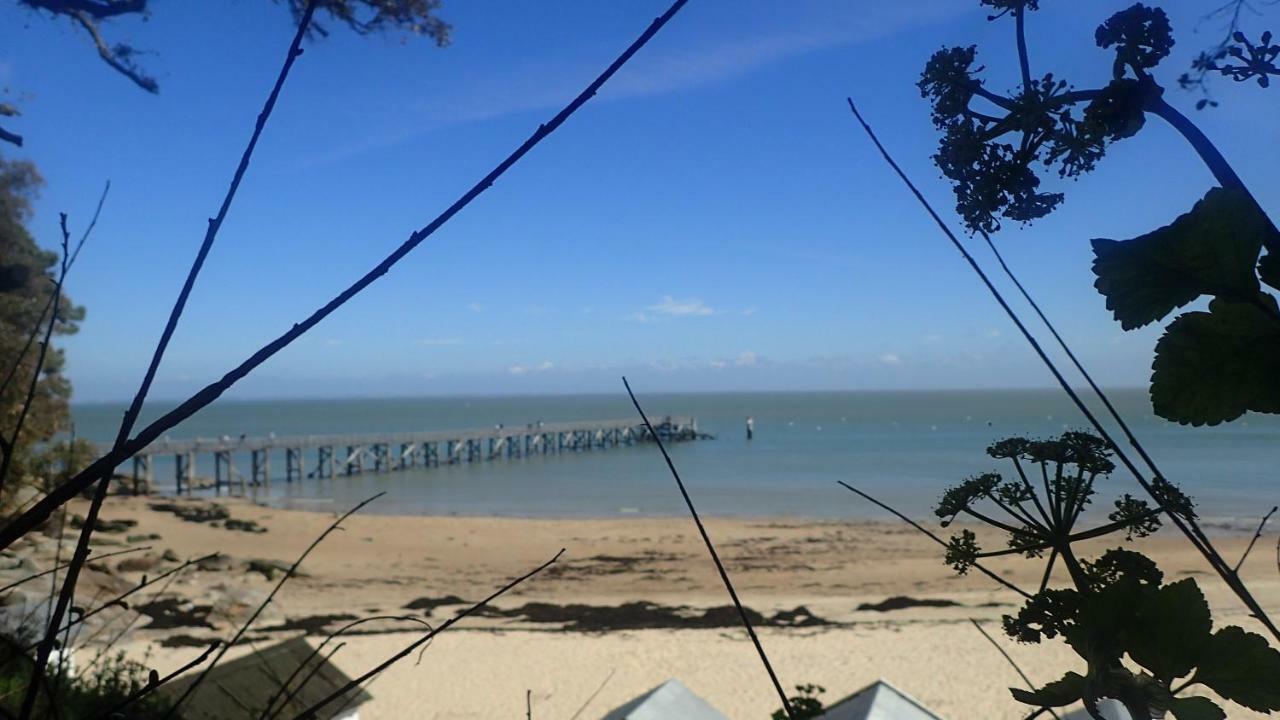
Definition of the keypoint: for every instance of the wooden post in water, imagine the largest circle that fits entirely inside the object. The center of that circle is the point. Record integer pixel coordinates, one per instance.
(293, 464)
(261, 462)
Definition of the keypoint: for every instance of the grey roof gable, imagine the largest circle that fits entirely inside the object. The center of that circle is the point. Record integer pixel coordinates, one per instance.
(879, 701)
(669, 701)
(243, 687)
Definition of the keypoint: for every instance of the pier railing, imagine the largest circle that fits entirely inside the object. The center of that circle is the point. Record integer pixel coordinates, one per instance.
(328, 456)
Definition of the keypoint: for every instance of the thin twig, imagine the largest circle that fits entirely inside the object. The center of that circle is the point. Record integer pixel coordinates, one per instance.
(64, 493)
(1187, 525)
(35, 327)
(310, 712)
(92, 558)
(1257, 534)
(268, 713)
(103, 475)
(528, 704)
(151, 687)
(11, 444)
(715, 557)
(1016, 669)
(928, 533)
(119, 600)
(106, 648)
(263, 605)
(606, 680)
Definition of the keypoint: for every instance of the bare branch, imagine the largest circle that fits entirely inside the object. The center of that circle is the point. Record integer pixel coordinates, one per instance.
(35, 328)
(103, 475)
(92, 558)
(9, 137)
(119, 600)
(120, 57)
(191, 689)
(1187, 525)
(268, 713)
(64, 493)
(593, 695)
(310, 713)
(1013, 664)
(711, 549)
(156, 682)
(11, 445)
(1257, 534)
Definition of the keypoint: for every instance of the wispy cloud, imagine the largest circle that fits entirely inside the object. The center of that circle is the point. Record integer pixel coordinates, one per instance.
(680, 308)
(746, 359)
(672, 307)
(543, 366)
(890, 359)
(475, 307)
(440, 342)
(543, 85)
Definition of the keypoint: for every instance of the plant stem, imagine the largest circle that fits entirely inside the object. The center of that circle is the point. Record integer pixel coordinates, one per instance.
(1208, 152)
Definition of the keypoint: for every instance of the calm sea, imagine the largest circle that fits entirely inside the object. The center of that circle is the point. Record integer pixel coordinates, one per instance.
(904, 447)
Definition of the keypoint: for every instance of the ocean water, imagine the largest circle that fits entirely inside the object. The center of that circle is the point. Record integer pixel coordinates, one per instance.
(903, 447)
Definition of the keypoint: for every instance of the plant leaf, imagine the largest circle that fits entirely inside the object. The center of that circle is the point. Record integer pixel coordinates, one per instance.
(1196, 708)
(1214, 366)
(1269, 269)
(1240, 666)
(1055, 694)
(1211, 250)
(1152, 641)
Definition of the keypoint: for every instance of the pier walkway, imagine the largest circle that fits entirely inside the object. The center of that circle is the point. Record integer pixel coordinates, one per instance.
(328, 456)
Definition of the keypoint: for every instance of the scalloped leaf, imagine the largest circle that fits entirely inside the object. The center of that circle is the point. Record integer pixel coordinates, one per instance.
(1170, 655)
(1058, 693)
(1196, 708)
(1211, 367)
(1211, 250)
(1240, 666)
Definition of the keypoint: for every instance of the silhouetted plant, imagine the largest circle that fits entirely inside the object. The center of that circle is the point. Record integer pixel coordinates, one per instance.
(1117, 606)
(412, 17)
(805, 703)
(1210, 366)
(1209, 62)
(84, 696)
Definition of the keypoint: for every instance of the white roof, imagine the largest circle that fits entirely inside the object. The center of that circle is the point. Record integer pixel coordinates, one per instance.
(1110, 709)
(879, 701)
(669, 701)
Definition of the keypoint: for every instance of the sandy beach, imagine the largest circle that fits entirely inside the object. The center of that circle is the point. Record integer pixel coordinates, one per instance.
(631, 603)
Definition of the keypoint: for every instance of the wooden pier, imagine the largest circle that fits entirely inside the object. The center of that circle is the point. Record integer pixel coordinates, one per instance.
(329, 456)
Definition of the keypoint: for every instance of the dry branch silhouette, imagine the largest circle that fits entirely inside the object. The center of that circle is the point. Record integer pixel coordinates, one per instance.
(244, 627)
(715, 557)
(64, 493)
(310, 713)
(103, 475)
(1187, 525)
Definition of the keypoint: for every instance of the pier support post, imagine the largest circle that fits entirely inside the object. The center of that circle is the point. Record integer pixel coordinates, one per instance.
(183, 471)
(261, 462)
(293, 464)
(142, 473)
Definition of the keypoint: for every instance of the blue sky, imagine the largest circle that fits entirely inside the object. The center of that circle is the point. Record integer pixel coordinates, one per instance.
(713, 220)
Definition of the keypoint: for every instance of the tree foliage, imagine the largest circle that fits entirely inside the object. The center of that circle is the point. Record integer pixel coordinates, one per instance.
(26, 284)
(1209, 367)
(411, 17)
